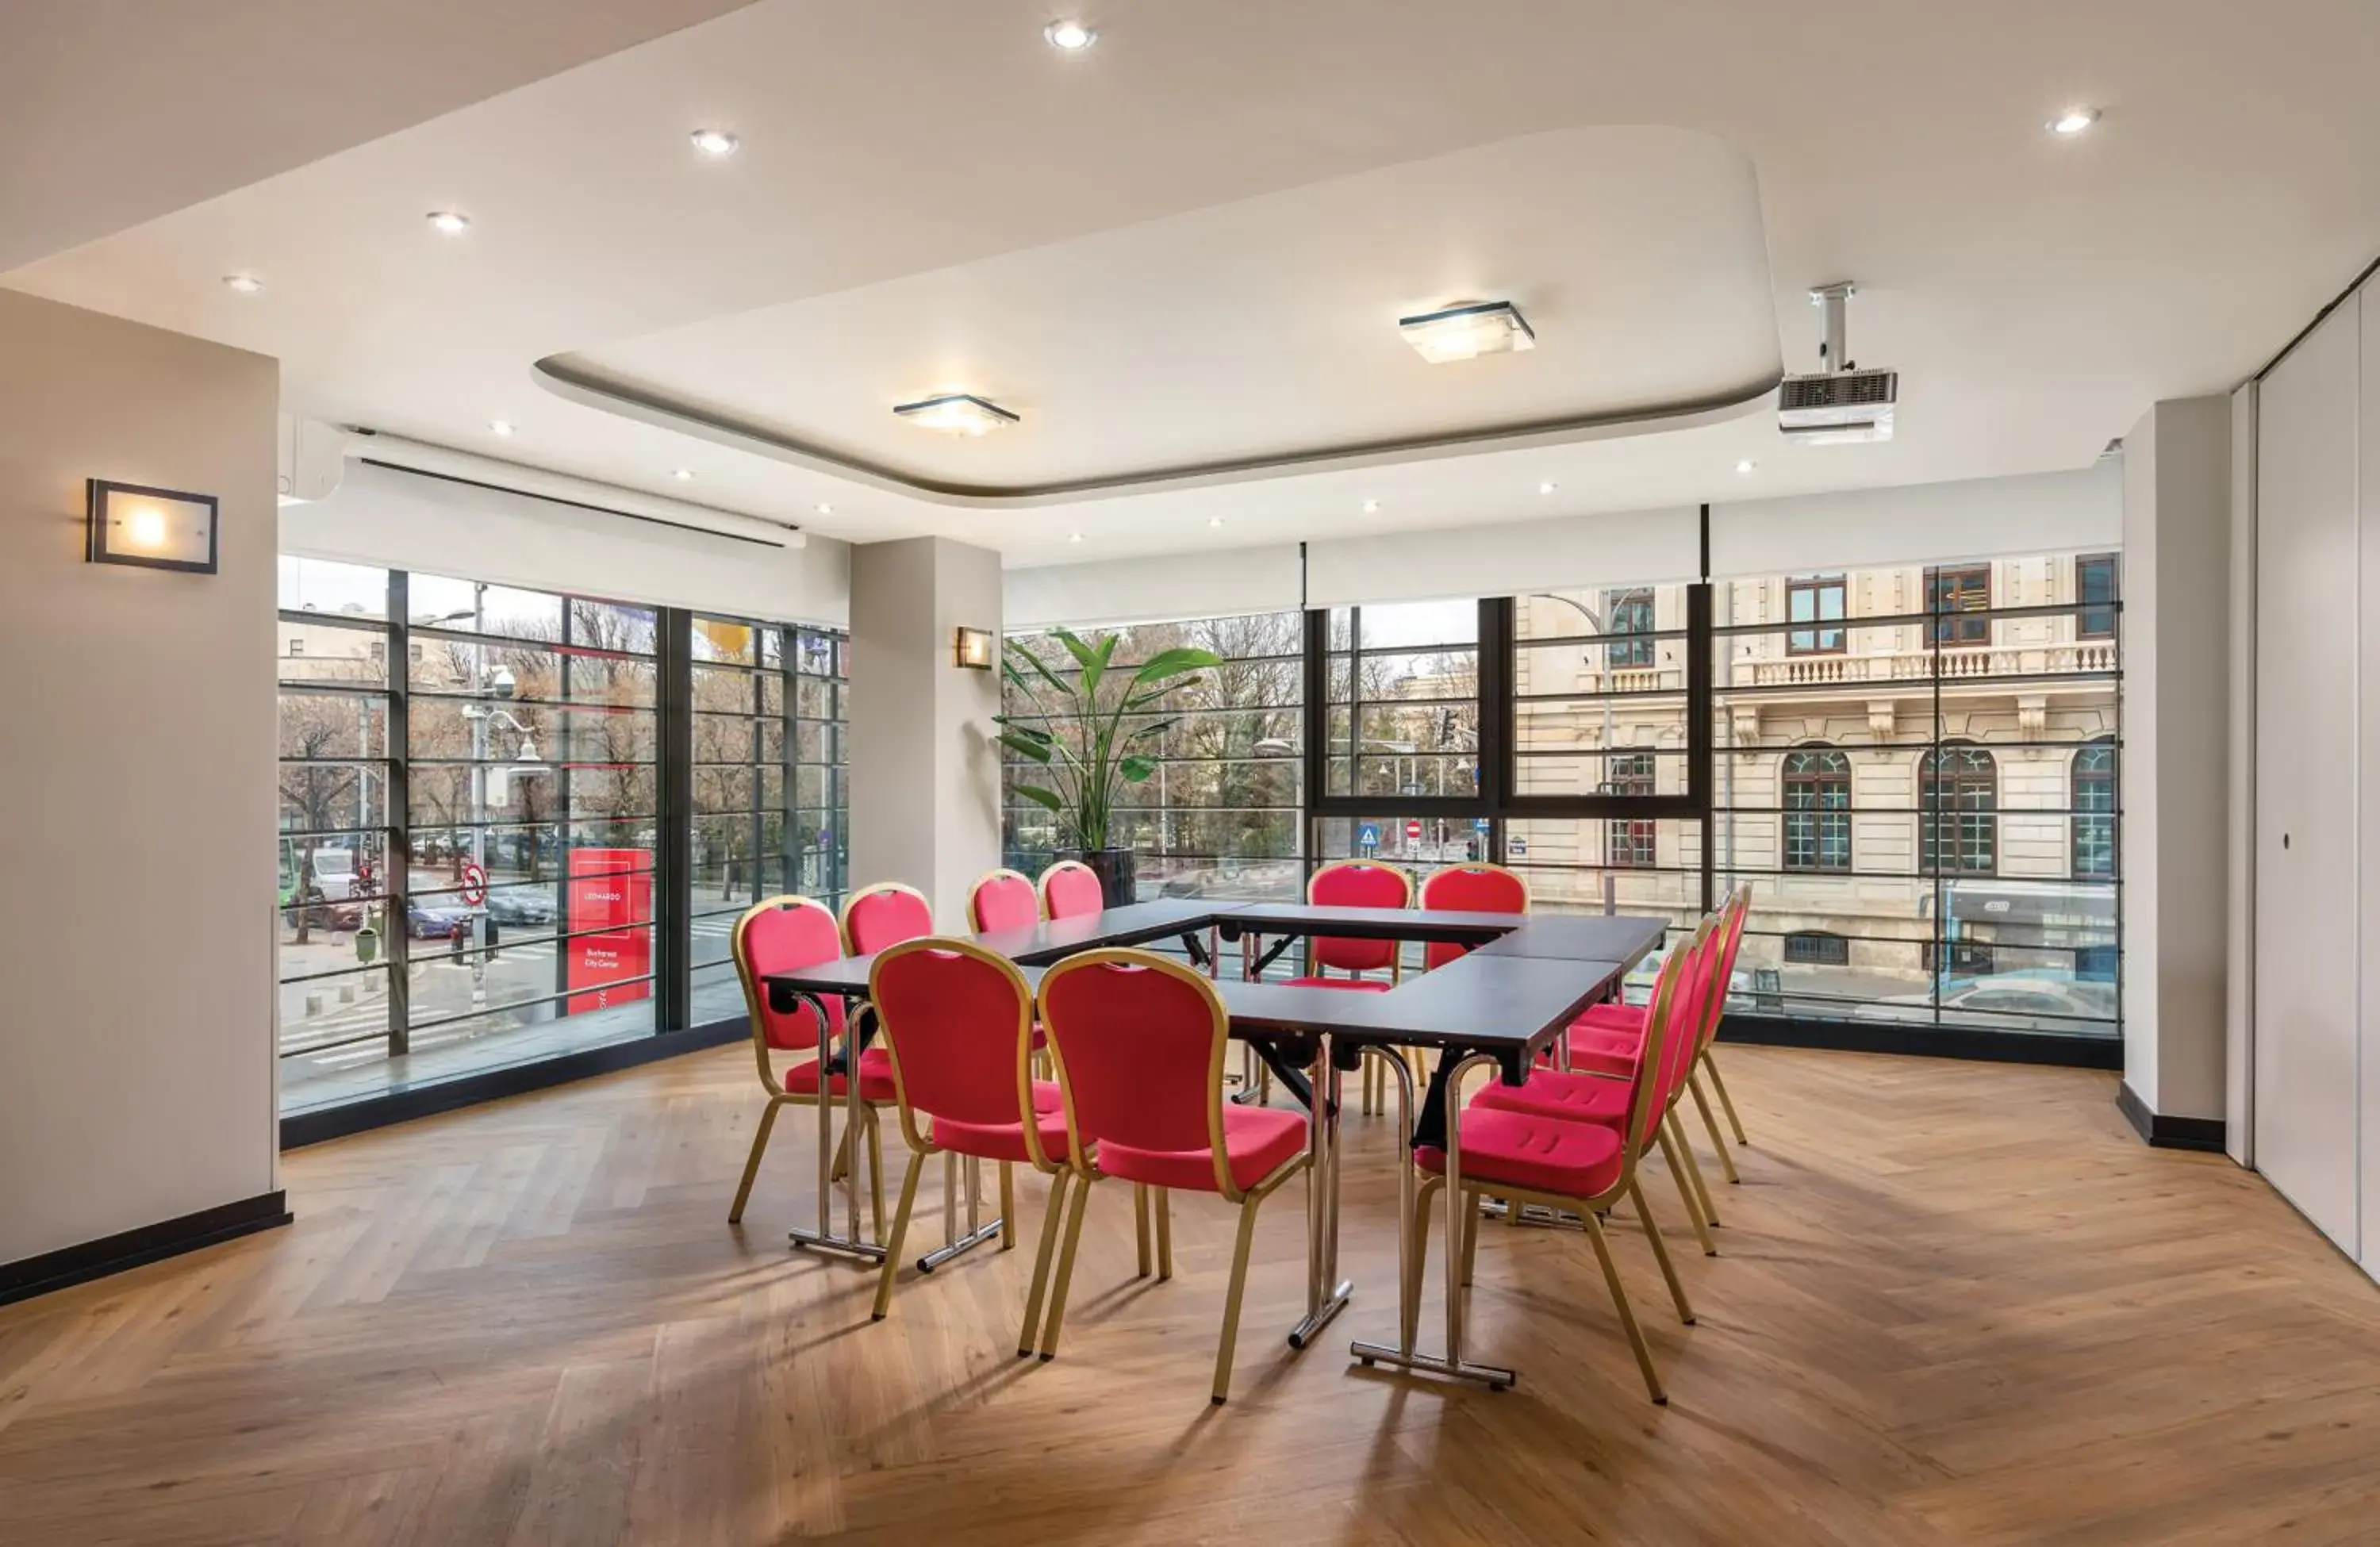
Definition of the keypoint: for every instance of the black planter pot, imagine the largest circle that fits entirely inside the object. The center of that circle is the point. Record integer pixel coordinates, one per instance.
(1115, 868)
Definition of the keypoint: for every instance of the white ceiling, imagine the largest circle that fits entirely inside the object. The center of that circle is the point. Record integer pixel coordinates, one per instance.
(113, 112)
(930, 196)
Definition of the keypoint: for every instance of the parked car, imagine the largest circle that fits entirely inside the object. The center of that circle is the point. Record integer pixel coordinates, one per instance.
(2056, 1002)
(521, 904)
(435, 920)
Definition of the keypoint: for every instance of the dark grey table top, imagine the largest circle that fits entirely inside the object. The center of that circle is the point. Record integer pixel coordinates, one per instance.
(1510, 996)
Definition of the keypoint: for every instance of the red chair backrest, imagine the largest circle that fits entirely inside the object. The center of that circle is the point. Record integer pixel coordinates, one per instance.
(1732, 917)
(1069, 889)
(1357, 883)
(1668, 1042)
(1003, 900)
(1138, 1045)
(1469, 888)
(885, 914)
(958, 1022)
(779, 935)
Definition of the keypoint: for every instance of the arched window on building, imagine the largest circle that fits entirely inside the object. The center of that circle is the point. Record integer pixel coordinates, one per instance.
(1958, 821)
(1817, 810)
(2094, 804)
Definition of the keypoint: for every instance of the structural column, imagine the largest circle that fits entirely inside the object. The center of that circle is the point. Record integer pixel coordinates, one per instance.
(2175, 769)
(924, 774)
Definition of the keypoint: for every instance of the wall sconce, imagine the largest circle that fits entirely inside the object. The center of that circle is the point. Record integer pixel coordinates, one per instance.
(972, 647)
(159, 528)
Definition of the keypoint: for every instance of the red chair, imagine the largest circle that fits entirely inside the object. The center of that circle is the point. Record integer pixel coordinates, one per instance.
(1605, 1040)
(1069, 889)
(884, 914)
(1002, 900)
(1524, 1157)
(1590, 1098)
(958, 1030)
(778, 935)
(1472, 887)
(1139, 1041)
(1359, 884)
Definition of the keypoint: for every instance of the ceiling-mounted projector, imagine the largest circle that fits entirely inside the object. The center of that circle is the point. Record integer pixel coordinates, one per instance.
(1841, 405)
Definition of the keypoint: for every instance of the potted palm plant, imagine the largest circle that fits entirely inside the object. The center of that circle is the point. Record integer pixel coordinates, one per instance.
(1092, 732)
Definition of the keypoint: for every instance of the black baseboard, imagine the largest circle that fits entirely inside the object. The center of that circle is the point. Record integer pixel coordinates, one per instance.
(112, 1254)
(1925, 1040)
(2167, 1132)
(424, 1101)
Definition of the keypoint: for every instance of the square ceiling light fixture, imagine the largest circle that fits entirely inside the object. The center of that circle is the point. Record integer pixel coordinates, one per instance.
(158, 528)
(959, 413)
(1473, 329)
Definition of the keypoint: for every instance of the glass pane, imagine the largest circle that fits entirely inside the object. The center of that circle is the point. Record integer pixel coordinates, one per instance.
(335, 656)
(475, 608)
(342, 589)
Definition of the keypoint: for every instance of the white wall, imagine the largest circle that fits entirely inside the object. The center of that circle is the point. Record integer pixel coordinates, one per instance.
(2177, 536)
(137, 807)
(406, 520)
(925, 777)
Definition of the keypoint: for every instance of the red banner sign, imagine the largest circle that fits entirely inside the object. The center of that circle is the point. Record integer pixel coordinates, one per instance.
(610, 894)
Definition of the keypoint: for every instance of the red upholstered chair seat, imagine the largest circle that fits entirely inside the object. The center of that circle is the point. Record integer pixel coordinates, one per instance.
(1005, 1141)
(875, 1078)
(1362, 985)
(1256, 1141)
(1524, 1150)
(1580, 1098)
(1612, 1019)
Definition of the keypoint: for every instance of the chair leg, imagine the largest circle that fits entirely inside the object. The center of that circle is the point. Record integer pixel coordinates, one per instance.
(1041, 1263)
(1710, 1125)
(1620, 1303)
(1140, 1226)
(875, 1172)
(752, 1163)
(1007, 1207)
(900, 1228)
(1694, 1170)
(1471, 1233)
(1415, 1270)
(1066, 1269)
(1686, 1191)
(1164, 1234)
(1726, 1101)
(1231, 1299)
(841, 1156)
(1660, 1251)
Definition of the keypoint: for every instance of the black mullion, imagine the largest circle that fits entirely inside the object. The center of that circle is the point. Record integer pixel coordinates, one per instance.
(1317, 710)
(396, 935)
(674, 837)
(1701, 782)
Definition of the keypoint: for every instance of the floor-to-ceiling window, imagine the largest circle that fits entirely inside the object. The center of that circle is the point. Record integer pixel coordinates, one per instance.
(474, 796)
(1217, 813)
(1912, 766)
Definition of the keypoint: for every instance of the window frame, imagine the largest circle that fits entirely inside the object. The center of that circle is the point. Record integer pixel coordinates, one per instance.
(1952, 626)
(1817, 586)
(1821, 817)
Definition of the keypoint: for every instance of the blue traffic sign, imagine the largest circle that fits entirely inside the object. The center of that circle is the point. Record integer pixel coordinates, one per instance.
(1368, 835)
(1479, 824)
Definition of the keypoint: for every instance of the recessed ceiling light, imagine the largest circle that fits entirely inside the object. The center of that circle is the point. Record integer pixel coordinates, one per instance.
(450, 223)
(1371, 507)
(960, 413)
(244, 284)
(824, 509)
(1547, 487)
(1074, 537)
(1072, 37)
(1746, 465)
(2074, 120)
(500, 427)
(684, 475)
(1467, 331)
(1215, 521)
(715, 142)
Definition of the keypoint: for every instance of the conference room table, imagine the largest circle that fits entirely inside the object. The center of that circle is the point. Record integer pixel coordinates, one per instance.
(1523, 981)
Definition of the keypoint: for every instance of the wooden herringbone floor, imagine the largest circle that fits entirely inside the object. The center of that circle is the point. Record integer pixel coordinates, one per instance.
(1959, 1303)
